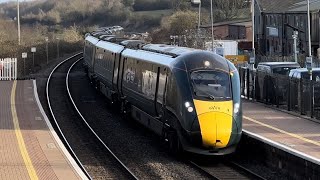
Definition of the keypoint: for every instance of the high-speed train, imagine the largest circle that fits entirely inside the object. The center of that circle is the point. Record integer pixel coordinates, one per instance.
(189, 97)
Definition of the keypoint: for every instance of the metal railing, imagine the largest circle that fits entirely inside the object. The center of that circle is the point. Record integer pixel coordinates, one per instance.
(298, 95)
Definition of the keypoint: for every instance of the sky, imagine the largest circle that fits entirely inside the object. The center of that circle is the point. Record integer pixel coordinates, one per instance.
(2, 1)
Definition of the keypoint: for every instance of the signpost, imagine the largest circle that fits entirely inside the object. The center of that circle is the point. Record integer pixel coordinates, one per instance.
(295, 37)
(47, 40)
(33, 50)
(24, 56)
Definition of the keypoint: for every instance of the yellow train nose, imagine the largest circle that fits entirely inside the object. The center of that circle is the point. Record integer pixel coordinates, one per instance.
(216, 128)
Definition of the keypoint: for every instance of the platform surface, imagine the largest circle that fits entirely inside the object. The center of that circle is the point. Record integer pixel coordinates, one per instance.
(29, 148)
(291, 131)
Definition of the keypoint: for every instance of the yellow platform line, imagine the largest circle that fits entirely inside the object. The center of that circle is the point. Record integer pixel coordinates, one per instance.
(282, 131)
(23, 150)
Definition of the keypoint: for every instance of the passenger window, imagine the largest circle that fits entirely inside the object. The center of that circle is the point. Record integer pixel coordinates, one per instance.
(268, 69)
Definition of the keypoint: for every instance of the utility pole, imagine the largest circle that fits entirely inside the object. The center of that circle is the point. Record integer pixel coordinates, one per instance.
(212, 38)
(253, 56)
(47, 40)
(199, 20)
(18, 18)
(310, 59)
(295, 37)
(58, 47)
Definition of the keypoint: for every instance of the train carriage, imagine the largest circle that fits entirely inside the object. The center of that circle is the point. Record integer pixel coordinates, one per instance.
(189, 97)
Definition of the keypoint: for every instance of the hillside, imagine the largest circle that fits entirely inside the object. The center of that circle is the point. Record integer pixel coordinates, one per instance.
(132, 14)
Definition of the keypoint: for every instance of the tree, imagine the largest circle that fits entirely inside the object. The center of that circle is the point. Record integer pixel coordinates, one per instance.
(226, 9)
(180, 4)
(181, 21)
(229, 8)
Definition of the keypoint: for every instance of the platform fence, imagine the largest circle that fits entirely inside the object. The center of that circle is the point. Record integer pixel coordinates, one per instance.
(281, 91)
(8, 69)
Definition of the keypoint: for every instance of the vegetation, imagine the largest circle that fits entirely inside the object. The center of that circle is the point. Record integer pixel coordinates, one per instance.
(70, 19)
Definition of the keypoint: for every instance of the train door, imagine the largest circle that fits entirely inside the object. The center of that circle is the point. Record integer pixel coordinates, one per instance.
(122, 61)
(160, 91)
(116, 60)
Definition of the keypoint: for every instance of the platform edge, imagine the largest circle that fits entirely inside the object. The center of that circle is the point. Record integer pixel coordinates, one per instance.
(283, 147)
(56, 137)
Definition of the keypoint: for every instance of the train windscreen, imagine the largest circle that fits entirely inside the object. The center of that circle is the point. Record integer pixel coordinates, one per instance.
(214, 85)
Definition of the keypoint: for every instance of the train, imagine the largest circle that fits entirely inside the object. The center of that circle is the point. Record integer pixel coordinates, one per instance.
(189, 97)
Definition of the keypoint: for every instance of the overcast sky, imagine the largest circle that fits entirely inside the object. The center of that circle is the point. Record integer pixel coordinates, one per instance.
(2, 1)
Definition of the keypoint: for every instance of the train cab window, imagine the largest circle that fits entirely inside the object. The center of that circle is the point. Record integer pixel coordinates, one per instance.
(282, 70)
(212, 85)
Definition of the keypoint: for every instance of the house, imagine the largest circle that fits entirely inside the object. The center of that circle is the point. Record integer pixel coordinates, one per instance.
(232, 30)
(275, 22)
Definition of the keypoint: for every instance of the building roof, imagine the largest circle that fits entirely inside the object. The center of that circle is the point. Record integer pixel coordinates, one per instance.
(275, 6)
(237, 22)
(302, 6)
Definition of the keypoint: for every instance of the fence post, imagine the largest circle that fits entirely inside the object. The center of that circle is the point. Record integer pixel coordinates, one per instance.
(311, 98)
(277, 91)
(242, 77)
(300, 100)
(247, 81)
(289, 95)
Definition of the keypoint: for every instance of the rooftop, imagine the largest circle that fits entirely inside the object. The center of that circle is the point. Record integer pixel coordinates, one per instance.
(281, 6)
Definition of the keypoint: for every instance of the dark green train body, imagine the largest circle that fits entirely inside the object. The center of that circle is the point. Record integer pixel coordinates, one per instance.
(189, 97)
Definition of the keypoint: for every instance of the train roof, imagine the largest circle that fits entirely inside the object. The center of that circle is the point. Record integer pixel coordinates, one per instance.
(305, 70)
(148, 56)
(280, 64)
(92, 39)
(167, 49)
(115, 48)
(133, 44)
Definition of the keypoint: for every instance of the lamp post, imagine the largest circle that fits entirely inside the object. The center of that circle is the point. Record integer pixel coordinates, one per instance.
(33, 50)
(295, 37)
(211, 9)
(18, 18)
(310, 59)
(253, 56)
(199, 20)
(47, 40)
(57, 47)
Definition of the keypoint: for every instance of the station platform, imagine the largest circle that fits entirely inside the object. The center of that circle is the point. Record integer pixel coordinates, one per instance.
(291, 133)
(29, 147)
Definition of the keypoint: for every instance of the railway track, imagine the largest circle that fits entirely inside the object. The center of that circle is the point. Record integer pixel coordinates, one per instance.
(226, 170)
(93, 156)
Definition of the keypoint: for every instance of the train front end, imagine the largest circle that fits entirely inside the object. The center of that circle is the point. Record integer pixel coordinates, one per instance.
(213, 115)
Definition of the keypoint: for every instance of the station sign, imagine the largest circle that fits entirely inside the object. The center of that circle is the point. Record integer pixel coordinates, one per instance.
(33, 49)
(273, 31)
(196, 1)
(24, 55)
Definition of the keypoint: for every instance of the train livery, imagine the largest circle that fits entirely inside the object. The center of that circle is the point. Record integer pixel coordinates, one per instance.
(189, 97)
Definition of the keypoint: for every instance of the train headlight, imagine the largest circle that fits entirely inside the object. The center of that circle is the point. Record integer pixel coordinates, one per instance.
(236, 108)
(190, 109)
(207, 63)
(187, 104)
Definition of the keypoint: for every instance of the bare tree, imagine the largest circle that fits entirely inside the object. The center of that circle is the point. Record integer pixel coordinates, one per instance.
(228, 9)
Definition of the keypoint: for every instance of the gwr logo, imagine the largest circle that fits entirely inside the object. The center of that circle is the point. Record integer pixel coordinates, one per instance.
(214, 108)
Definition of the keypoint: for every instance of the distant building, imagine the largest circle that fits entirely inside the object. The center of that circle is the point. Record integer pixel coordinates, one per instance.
(232, 30)
(275, 21)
